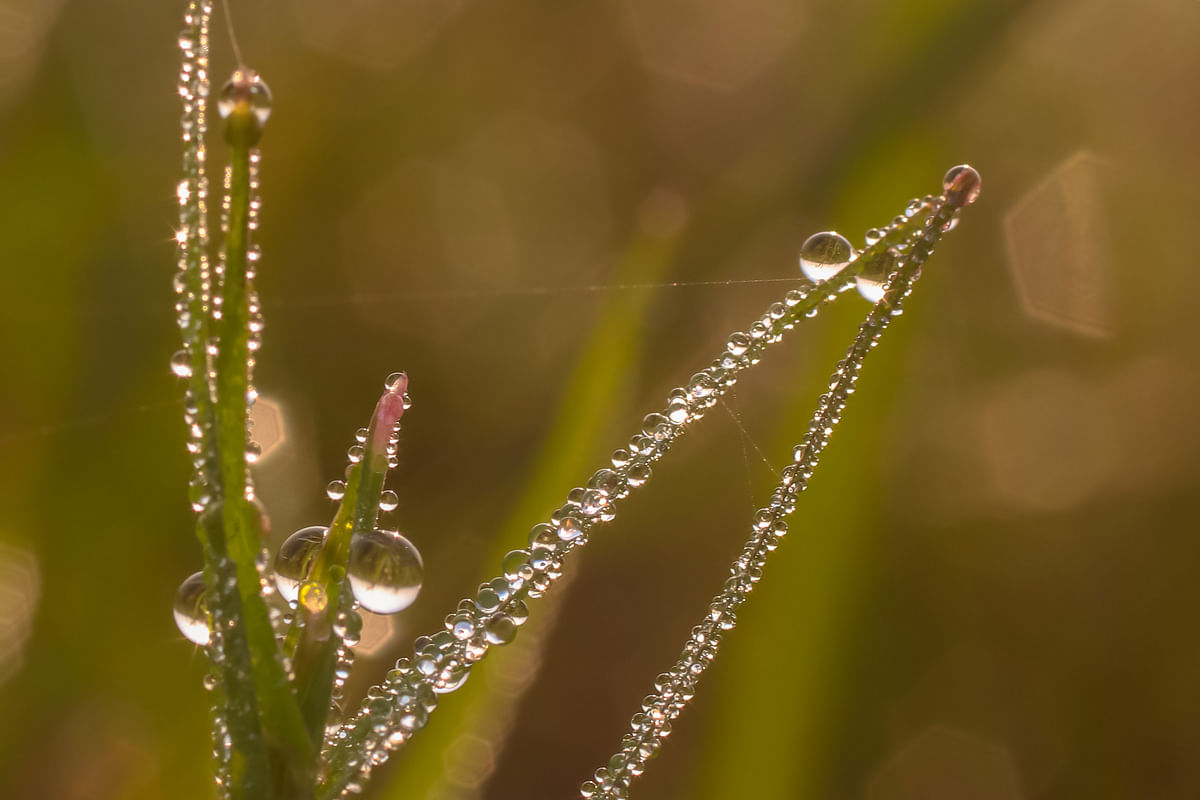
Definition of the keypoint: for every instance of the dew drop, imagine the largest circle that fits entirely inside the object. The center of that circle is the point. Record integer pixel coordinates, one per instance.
(388, 500)
(181, 364)
(313, 597)
(385, 571)
(191, 611)
(336, 490)
(962, 185)
(245, 86)
(738, 343)
(295, 558)
(824, 255)
(500, 629)
(393, 380)
(873, 278)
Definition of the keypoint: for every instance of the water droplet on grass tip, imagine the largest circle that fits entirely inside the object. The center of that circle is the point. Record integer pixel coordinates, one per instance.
(385, 571)
(191, 612)
(824, 255)
(388, 500)
(295, 558)
(962, 185)
(245, 86)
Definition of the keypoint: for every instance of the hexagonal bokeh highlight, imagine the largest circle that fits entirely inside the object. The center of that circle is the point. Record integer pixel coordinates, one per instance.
(1058, 248)
(379, 634)
(268, 431)
(468, 761)
(943, 763)
(712, 43)
(20, 586)
(372, 34)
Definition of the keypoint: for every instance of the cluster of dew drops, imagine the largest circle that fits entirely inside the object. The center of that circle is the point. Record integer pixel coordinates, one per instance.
(384, 571)
(823, 255)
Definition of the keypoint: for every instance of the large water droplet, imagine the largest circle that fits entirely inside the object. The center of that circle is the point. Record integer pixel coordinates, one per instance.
(873, 278)
(824, 255)
(245, 86)
(191, 612)
(385, 571)
(295, 558)
(962, 185)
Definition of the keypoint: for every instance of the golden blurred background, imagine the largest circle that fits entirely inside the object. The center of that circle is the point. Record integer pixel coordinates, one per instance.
(550, 214)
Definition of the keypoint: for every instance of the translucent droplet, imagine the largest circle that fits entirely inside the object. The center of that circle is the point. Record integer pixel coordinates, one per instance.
(824, 255)
(385, 571)
(191, 612)
(187, 42)
(962, 185)
(393, 380)
(181, 364)
(388, 500)
(295, 559)
(873, 278)
(500, 629)
(336, 490)
(313, 597)
(245, 86)
(348, 625)
(738, 343)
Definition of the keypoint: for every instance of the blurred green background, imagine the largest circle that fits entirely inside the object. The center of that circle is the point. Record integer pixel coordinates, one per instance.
(536, 208)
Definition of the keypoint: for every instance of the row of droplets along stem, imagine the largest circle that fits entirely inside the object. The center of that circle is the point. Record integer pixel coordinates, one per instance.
(675, 688)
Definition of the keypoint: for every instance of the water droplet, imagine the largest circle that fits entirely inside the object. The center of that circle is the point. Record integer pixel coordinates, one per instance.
(388, 500)
(873, 278)
(191, 612)
(962, 185)
(348, 625)
(245, 86)
(295, 558)
(500, 629)
(393, 380)
(336, 490)
(181, 364)
(313, 597)
(385, 571)
(824, 255)
(186, 42)
(738, 343)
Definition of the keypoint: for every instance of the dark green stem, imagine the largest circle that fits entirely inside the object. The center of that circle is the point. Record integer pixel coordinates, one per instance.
(291, 754)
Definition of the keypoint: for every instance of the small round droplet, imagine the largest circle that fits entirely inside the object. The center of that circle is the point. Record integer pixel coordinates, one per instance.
(191, 611)
(962, 185)
(738, 343)
(181, 364)
(295, 559)
(245, 86)
(824, 255)
(385, 571)
(336, 490)
(388, 500)
(500, 629)
(393, 380)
